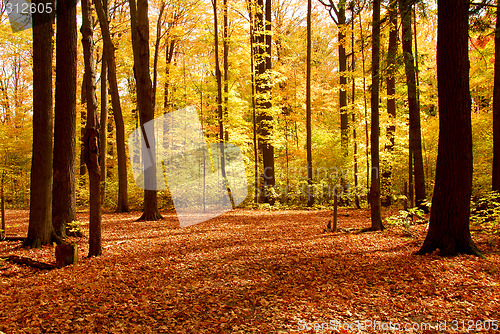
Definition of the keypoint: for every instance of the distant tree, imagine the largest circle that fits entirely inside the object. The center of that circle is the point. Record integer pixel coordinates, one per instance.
(337, 13)
(417, 162)
(103, 134)
(140, 43)
(375, 130)
(91, 138)
(496, 107)
(109, 54)
(40, 230)
(63, 192)
(310, 197)
(392, 51)
(449, 222)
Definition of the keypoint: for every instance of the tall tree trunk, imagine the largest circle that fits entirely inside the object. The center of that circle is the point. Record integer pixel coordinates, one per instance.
(140, 43)
(225, 62)
(449, 223)
(157, 52)
(40, 230)
(122, 205)
(2, 207)
(91, 138)
(63, 191)
(103, 138)
(251, 13)
(263, 95)
(353, 111)
(310, 197)
(365, 104)
(391, 102)
(169, 56)
(344, 120)
(496, 108)
(375, 131)
(415, 136)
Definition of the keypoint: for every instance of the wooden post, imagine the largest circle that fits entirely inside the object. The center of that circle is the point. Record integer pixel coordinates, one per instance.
(335, 206)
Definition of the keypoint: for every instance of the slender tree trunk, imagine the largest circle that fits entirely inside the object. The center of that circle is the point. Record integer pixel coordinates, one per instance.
(2, 207)
(375, 131)
(91, 139)
(496, 108)
(64, 163)
(122, 205)
(344, 120)
(40, 229)
(310, 195)
(353, 111)
(167, 103)
(103, 139)
(449, 223)
(225, 62)
(365, 102)
(140, 43)
(415, 136)
(157, 51)
(251, 13)
(391, 101)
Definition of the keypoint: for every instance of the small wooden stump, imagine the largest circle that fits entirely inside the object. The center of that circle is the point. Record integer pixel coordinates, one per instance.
(66, 254)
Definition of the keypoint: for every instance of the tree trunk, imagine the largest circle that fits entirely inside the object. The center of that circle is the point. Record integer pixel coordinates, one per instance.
(391, 102)
(344, 120)
(2, 207)
(365, 103)
(496, 109)
(40, 230)
(91, 138)
(310, 195)
(353, 111)
(157, 52)
(225, 63)
(122, 205)
(140, 43)
(263, 95)
(414, 112)
(103, 139)
(63, 191)
(251, 13)
(375, 131)
(449, 223)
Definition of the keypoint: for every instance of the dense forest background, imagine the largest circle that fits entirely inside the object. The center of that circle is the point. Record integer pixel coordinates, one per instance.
(184, 73)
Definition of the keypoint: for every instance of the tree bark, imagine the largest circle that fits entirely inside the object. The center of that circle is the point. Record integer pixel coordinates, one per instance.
(344, 120)
(140, 43)
(310, 195)
(63, 191)
(91, 138)
(264, 96)
(391, 101)
(496, 108)
(103, 138)
(449, 223)
(122, 205)
(414, 112)
(251, 13)
(40, 230)
(353, 111)
(375, 131)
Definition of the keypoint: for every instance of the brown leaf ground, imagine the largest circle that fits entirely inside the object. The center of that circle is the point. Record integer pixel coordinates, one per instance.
(249, 272)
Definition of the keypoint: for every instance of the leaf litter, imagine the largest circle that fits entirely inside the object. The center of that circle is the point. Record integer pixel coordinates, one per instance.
(247, 271)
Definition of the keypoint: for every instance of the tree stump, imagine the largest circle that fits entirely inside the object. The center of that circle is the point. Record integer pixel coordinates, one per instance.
(66, 254)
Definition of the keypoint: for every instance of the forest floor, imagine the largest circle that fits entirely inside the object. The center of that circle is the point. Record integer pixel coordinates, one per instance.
(250, 271)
